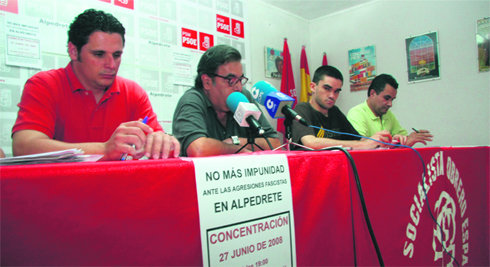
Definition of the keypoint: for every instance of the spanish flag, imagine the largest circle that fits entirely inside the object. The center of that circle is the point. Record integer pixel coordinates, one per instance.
(305, 77)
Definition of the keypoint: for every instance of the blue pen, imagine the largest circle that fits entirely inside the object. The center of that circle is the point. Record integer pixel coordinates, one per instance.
(125, 155)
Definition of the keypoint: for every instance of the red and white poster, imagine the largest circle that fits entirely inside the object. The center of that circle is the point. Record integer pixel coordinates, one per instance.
(223, 24)
(189, 38)
(237, 29)
(125, 3)
(11, 6)
(205, 41)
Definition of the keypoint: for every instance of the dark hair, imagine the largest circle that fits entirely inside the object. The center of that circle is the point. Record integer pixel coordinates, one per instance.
(213, 58)
(90, 21)
(329, 71)
(379, 83)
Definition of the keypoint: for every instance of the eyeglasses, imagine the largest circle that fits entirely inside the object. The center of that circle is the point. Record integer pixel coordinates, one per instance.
(232, 79)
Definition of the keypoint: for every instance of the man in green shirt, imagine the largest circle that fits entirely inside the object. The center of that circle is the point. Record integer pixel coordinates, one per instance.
(374, 115)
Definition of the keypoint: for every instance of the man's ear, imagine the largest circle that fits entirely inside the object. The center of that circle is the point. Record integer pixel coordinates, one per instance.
(72, 51)
(206, 81)
(372, 93)
(313, 87)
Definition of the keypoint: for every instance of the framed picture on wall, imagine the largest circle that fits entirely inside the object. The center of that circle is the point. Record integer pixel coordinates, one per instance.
(483, 44)
(273, 63)
(362, 70)
(422, 57)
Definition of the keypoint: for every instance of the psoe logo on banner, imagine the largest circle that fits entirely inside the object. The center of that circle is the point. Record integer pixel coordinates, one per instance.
(237, 28)
(223, 24)
(189, 38)
(205, 41)
(449, 211)
(11, 6)
(125, 3)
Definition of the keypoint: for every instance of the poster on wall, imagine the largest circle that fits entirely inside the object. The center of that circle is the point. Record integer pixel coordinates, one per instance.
(245, 211)
(483, 43)
(23, 44)
(11, 6)
(273, 63)
(362, 62)
(422, 57)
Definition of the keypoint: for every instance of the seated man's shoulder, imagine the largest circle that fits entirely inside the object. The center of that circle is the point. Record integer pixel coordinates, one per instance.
(355, 109)
(48, 75)
(335, 110)
(302, 106)
(359, 106)
(129, 89)
(193, 94)
(127, 83)
(390, 114)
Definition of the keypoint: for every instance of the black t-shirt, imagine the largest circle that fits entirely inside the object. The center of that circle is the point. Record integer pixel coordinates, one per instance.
(335, 121)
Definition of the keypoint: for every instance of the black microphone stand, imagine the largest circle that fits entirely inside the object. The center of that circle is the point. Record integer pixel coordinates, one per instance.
(288, 122)
(251, 134)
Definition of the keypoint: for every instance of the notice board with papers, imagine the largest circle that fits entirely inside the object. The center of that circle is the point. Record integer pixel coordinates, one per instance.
(164, 42)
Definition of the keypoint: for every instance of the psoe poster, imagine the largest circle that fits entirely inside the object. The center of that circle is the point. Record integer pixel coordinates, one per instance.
(245, 210)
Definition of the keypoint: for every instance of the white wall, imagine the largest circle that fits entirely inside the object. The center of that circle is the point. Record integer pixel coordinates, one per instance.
(455, 108)
(268, 27)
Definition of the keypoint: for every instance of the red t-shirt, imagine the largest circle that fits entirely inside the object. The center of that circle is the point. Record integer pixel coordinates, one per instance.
(55, 103)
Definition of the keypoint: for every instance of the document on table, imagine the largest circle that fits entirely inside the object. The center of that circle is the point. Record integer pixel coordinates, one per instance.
(69, 155)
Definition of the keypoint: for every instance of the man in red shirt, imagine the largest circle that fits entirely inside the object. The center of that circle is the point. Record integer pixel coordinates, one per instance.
(86, 105)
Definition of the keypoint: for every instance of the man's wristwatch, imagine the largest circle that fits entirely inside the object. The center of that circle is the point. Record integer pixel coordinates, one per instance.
(235, 139)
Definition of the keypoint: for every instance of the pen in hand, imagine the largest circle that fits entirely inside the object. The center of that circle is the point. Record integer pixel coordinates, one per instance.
(415, 130)
(125, 155)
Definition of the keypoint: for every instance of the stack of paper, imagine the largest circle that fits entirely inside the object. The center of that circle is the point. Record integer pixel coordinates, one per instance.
(69, 155)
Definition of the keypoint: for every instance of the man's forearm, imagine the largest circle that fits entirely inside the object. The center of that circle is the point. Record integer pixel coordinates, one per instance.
(27, 142)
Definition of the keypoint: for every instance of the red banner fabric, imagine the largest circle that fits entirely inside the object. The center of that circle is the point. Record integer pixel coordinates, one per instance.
(145, 212)
(287, 81)
(324, 61)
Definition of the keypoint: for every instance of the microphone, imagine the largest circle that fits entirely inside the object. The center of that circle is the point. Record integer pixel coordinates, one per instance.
(277, 104)
(246, 114)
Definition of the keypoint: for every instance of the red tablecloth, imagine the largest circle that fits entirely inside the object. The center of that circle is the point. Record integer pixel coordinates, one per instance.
(145, 212)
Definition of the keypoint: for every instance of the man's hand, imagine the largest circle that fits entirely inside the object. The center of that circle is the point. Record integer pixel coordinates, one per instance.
(383, 136)
(160, 145)
(422, 136)
(128, 138)
(401, 138)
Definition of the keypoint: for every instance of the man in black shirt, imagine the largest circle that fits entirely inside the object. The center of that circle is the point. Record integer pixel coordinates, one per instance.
(321, 111)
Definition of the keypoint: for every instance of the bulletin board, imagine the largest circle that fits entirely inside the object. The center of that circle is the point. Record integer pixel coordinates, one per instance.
(164, 42)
